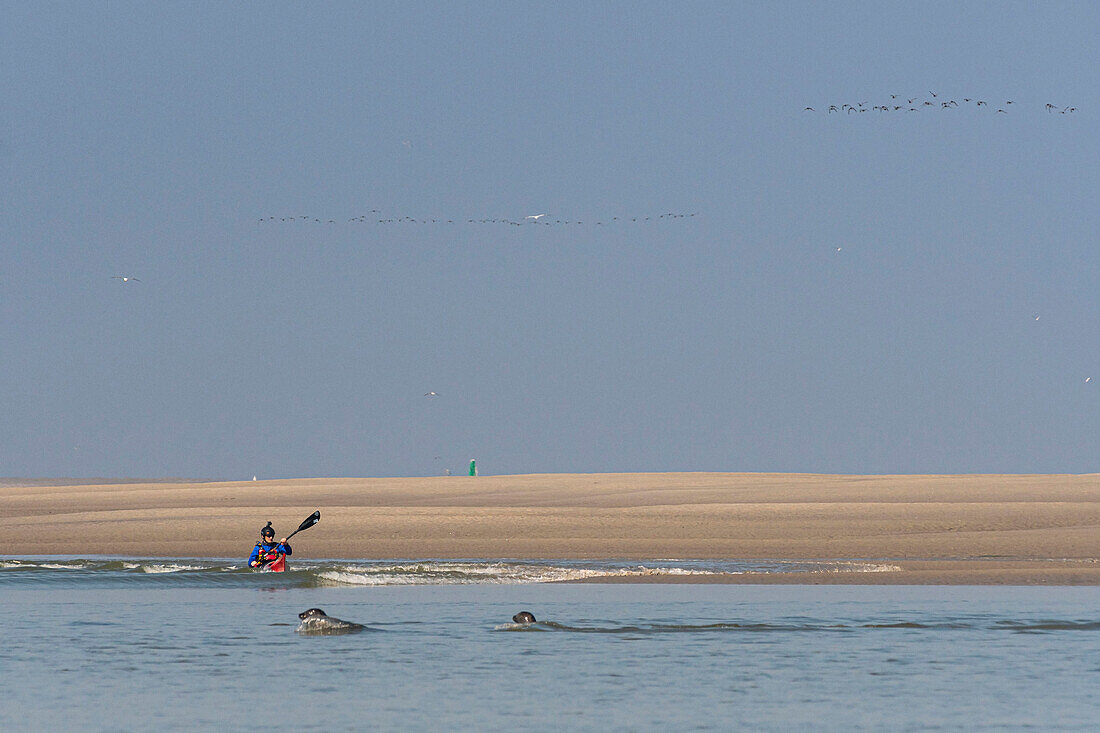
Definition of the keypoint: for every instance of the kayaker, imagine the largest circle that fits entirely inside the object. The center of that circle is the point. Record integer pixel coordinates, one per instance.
(266, 550)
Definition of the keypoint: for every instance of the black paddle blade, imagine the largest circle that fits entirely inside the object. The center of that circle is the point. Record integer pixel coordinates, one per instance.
(311, 520)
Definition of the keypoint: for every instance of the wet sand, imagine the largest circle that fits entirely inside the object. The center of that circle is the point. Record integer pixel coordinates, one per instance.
(968, 529)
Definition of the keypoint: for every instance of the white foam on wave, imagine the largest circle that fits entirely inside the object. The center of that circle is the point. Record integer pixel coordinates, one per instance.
(338, 577)
(492, 573)
(442, 572)
(863, 567)
(465, 573)
(168, 568)
(47, 565)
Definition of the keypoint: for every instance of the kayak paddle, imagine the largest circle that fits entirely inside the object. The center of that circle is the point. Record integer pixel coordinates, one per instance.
(311, 520)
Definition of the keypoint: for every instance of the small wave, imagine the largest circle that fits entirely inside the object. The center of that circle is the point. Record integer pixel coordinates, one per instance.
(105, 568)
(170, 568)
(404, 572)
(666, 628)
(500, 573)
(430, 573)
(804, 626)
(864, 567)
(1051, 625)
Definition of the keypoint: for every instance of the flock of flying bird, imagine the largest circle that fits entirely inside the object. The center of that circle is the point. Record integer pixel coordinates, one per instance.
(901, 103)
(375, 216)
(914, 104)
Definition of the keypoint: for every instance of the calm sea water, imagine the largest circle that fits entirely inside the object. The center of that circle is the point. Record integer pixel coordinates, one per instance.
(198, 645)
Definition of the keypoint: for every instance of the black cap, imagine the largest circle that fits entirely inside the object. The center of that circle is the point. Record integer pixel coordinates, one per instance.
(267, 531)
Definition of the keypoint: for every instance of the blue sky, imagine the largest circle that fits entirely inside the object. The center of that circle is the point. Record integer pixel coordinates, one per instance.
(149, 139)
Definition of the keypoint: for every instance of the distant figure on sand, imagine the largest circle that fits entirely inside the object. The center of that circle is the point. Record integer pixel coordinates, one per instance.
(267, 550)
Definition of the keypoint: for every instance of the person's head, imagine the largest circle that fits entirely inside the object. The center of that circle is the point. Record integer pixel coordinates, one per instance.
(267, 534)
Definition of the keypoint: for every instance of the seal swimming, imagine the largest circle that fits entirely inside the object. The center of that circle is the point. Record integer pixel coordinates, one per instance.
(316, 621)
(524, 617)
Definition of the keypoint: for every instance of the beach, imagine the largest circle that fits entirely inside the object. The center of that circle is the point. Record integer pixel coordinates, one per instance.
(962, 529)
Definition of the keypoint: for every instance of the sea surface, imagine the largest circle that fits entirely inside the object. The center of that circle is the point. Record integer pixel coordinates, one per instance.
(110, 644)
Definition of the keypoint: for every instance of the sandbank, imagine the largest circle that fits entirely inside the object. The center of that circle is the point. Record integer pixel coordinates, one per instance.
(961, 529)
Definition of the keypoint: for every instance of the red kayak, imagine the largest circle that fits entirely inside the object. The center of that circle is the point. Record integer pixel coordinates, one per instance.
(278, 565)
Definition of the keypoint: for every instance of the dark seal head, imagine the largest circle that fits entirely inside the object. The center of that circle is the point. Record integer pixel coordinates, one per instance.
(524, 617)
(317, 622)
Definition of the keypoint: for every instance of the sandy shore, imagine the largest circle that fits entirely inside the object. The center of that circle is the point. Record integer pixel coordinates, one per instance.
(968, 529)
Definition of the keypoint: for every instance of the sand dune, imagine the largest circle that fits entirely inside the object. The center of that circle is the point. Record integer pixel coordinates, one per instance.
(968, 528)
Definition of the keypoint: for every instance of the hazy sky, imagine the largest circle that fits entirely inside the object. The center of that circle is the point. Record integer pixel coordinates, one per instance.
(148, 139)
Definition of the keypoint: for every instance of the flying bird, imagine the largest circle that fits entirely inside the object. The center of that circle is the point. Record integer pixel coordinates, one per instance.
(431, 394)
(126, 278)
(536, 217)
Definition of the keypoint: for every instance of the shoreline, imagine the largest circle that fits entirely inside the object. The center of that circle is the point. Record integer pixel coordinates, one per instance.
(950, 530)
(921, 572)
(890, 571)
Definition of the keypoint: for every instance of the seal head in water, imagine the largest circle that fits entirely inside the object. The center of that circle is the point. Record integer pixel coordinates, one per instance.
(524, 617)
(316, 621)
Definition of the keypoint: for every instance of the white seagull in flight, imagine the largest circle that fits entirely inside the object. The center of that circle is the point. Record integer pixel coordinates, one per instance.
(536, 217)
(431, 394)
(126, 278)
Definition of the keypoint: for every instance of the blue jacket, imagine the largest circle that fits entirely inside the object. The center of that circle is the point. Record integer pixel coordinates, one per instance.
(269, 548)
